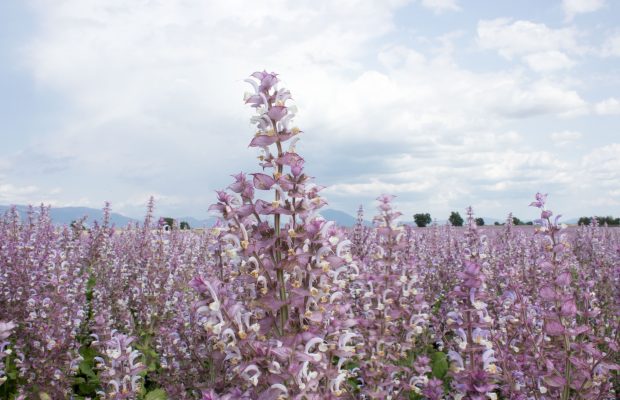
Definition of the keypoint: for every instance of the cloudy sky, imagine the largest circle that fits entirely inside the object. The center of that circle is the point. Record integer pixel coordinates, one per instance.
(443, 103)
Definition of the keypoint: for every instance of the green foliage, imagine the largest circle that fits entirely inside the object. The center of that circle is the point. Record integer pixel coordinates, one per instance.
(86, 381)
(150, 359)
(516, 221)
(414, 396)
(439, 364)
(157, 394)
(354, 384)
(584, 221)
(421, 220)
(408, 360)
(479, 221)
(608, 220)
(456, 219)
(8, 389)
(439, 368)
(184, 225)
(169, 221)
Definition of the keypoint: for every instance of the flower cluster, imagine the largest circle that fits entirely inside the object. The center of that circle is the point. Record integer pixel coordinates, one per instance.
(473, 358)
(121, 368)
(392, 310)
(279, 317)
(43, 290)
(577, 357)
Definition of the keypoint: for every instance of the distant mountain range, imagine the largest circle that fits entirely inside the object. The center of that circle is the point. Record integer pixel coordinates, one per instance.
(66, 215)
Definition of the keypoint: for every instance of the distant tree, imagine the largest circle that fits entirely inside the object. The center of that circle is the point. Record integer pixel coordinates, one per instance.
(456, 219)
(78, 225)
(169, 221)
(608, 220)
(529, 223)
(496, 223)
(184, 225)
(584, 221)
(479, 221)
(516, 221)
(421, 220)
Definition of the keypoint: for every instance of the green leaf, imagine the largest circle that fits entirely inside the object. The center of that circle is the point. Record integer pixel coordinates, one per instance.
(439, 364)
(157, 394)
(87, 369)
(87, 388)
(414, 396)
(88, 352)
(78, 380)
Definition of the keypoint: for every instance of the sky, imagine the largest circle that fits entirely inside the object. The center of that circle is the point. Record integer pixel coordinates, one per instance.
(442, 103)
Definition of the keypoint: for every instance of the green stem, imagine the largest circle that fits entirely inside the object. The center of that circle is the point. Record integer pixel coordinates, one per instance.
(278, 253)
(566, 392)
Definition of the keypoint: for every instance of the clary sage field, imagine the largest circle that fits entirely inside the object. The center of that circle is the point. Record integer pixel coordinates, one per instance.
(275, 302)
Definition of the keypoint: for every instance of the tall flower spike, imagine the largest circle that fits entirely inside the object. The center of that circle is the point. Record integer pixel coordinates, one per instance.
(278, 314)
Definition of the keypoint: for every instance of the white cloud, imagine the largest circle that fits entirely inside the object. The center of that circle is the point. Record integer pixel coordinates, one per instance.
(162, 47)
(439, 6)
(602, 172)
(548, 61)
(374, 186)
(564, 138)
(574, 7)
(519, 38)
(538, 98)
(542, 48)
(14, 194)
(610, 106)
(447, 183)
(611, 46)
(157, 87)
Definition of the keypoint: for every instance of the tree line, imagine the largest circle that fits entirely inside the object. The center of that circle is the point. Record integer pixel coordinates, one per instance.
(608, 220)
(424, 219)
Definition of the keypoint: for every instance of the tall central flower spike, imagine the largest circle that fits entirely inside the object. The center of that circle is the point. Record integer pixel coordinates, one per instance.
(278, 314)
(273, 118)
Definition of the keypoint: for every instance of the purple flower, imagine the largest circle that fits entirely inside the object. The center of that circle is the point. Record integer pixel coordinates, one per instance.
(5, 329)
(554, 328)
(569, 308)
(267, 80)
(276, 113)
(540, 200)
(263, 182)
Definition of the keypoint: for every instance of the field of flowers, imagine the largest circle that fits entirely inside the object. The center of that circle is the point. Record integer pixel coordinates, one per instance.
(277, 303)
